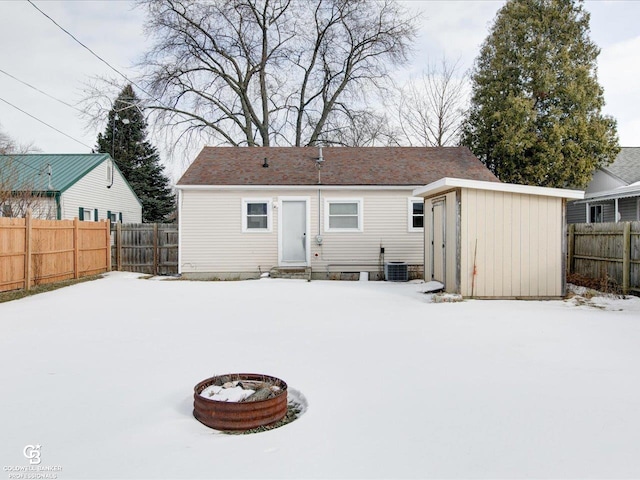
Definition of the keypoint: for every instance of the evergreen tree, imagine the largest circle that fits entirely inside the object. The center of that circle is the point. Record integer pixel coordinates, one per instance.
(535, 115)
(124, 139)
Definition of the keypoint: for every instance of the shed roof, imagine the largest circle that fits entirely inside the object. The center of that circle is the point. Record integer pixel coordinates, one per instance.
(410, 166)
(446, 184)
(47, 172)
(626, 166)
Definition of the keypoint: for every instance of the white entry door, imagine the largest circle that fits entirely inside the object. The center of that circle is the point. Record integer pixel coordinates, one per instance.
(293, 233)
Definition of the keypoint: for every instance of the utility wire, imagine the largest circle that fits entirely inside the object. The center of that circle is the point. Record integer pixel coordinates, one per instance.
(44, 123)
(40, 91)
(95, 54)
(14, 159)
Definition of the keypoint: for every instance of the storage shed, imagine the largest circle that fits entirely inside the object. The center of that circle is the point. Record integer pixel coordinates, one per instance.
(495, 240)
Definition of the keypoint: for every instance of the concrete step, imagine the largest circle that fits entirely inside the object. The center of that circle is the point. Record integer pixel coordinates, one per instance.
(301, 273)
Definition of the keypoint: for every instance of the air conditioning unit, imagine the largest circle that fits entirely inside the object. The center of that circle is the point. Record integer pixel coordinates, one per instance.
(396, 272)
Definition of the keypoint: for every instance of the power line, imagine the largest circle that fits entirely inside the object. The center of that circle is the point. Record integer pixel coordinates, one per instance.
(94, 53)
(40, 91)
(45, 123)
(14, 159)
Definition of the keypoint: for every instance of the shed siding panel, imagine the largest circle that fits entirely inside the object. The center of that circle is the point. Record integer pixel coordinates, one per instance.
(519, 249)
(91, 192)
(213, 241)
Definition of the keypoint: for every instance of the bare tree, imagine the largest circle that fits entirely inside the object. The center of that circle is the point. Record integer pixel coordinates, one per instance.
(22, 187)
(269, 72)
(431, 107)
(362, 128)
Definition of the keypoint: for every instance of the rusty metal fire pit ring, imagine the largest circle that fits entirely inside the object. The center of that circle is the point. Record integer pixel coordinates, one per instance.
(235, 416)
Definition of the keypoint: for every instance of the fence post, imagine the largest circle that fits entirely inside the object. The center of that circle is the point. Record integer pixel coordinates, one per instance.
(27, 263)
(119, 246)
(76, 248)
(626, 257)
(571, 247)
(155, 249)
(108, 247)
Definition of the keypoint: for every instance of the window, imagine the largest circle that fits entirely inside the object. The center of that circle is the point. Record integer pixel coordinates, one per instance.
(596, 214)
(256, 215)
(416, 215)
(114, 217)
(343, 215)
(86, 214)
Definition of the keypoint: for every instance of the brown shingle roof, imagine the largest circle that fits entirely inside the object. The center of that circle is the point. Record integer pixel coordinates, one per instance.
(341, 166)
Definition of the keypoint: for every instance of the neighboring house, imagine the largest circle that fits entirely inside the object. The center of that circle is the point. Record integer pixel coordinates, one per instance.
(496, 240)
(613, 195)
(336, 211)
(65, 186)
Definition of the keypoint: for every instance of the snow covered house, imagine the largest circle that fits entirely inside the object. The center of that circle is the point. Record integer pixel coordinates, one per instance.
(495, 240)
(613, 195)
(65, 186)
(330, 212)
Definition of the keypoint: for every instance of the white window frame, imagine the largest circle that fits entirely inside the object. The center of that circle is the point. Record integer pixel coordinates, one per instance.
(594, 207)
(116, 215)
(91, 214)
(358, 201)
(245, 202)
(410, 214)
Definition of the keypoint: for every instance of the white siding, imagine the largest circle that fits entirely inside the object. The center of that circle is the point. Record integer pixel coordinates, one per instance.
(212, 239)
(43, 208)
(385, 224)
(91, 192)
(602, 181)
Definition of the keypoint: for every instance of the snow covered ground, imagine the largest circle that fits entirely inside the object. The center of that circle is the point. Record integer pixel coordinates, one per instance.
(100, 375)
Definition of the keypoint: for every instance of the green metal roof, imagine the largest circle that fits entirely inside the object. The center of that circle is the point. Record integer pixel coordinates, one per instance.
(47, 172)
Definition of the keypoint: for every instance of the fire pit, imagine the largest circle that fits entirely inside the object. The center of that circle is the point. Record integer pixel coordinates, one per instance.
(240, 401)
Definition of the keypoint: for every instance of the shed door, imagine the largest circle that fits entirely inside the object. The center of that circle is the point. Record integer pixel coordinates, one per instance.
(438, 238)
(294, 232)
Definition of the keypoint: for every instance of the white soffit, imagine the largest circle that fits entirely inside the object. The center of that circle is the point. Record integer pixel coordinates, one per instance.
(447, 183)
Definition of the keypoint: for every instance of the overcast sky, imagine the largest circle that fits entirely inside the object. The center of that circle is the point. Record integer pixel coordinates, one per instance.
(37, 52)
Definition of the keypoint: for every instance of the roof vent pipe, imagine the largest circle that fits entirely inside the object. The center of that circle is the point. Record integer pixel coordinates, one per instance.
(320, 159)
(265, 164)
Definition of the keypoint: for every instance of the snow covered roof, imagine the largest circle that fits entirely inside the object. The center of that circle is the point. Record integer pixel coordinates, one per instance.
(446, 184)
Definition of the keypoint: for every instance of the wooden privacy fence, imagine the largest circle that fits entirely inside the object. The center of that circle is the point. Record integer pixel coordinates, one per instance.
(34, 252)
(606, 251)
(150, 248)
